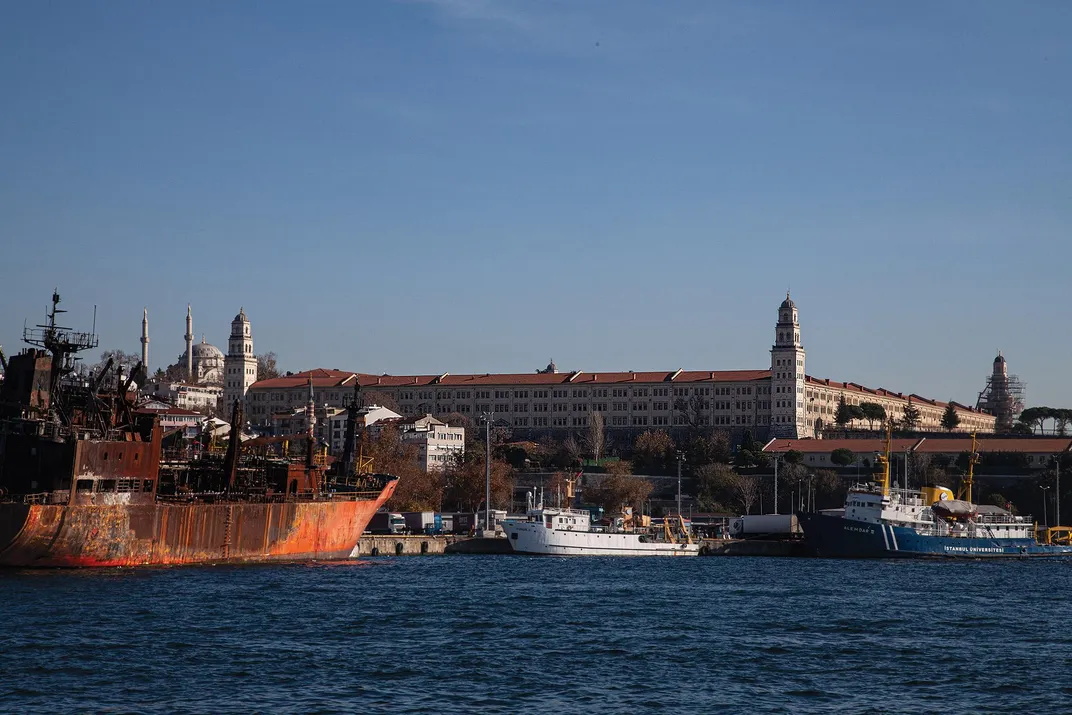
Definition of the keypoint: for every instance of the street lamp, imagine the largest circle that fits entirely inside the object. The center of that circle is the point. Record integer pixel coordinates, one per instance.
(1057, 494)
(680, 459)
(487, 417)
(1045, 518)
(776, 460)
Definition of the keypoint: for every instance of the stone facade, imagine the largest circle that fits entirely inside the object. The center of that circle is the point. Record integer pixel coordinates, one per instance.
(782, 400)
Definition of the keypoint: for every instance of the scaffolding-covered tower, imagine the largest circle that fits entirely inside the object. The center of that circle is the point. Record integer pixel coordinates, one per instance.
(1003, 396)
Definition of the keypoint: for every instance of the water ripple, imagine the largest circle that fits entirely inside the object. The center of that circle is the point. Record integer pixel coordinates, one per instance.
(507, 635)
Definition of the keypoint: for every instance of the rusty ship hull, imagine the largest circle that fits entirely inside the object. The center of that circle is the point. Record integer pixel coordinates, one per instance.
(85, 479)
(49, 535)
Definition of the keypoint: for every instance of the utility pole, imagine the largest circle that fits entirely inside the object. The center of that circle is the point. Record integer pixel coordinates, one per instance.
(776, 460)
(1045, 511)
(487, 467)
(1057, 495)
(680, 459)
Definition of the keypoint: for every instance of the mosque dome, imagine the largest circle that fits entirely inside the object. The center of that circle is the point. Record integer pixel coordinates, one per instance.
(203, 351)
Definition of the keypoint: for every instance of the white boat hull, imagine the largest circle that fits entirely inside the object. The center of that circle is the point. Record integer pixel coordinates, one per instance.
(535, 538)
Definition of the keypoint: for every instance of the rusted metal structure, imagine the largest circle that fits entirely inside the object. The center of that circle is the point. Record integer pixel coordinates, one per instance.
(84, 481)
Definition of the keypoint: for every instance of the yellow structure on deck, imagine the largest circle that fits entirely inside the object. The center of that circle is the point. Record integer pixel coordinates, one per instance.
(883, 460)
(965, 491)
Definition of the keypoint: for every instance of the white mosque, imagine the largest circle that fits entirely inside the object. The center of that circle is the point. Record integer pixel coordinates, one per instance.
(204, 362)
(205, 368)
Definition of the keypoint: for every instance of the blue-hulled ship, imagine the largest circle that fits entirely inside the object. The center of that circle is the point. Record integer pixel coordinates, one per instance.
(880, 522)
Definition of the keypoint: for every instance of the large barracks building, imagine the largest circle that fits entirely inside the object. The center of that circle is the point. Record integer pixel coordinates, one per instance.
(779, 401)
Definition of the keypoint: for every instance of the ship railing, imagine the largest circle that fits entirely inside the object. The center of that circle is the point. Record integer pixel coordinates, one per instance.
(1002, 519)
(37, 498)
(225, 498)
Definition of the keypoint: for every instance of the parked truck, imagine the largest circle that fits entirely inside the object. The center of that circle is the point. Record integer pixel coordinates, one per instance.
(423, 522)
(776, 525)
(383, 522)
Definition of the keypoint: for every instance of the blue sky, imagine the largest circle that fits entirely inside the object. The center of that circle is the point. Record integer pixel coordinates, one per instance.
(468, 186)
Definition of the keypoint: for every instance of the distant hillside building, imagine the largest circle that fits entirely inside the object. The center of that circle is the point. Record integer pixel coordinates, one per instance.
(438, 444)
(782, 400)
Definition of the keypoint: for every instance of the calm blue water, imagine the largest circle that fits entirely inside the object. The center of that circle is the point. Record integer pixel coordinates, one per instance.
(515, 634)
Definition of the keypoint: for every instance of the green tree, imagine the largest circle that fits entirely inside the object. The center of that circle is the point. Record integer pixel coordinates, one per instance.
(950, 418)
(843, 415)
(1035, 418)
(842, 457)
(911, 419)
(873, 412)
(793, 456)
(715, 485)
(712, 448)
(750, 453)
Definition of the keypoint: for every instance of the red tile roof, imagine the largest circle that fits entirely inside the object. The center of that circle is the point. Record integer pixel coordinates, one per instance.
(883, 392)
(338, 378)
(320, 376)
(1027, 445)
(826, 446)
(924, 445)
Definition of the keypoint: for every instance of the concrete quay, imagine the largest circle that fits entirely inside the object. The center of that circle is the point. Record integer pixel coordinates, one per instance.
(753, 547)
(398, 545)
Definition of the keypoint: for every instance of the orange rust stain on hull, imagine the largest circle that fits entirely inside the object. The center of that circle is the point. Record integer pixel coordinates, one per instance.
(181, 534)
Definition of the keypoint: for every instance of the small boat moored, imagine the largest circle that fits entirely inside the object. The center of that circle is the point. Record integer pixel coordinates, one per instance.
(569, 532)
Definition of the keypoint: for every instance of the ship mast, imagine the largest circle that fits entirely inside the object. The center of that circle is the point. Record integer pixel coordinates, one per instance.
(63, 344)
(966, 483)
(884, 460)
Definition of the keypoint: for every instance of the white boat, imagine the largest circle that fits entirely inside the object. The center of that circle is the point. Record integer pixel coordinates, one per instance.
(569, 532)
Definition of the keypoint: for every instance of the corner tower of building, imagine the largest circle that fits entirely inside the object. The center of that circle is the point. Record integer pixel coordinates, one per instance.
(787, 376)
(240, 364)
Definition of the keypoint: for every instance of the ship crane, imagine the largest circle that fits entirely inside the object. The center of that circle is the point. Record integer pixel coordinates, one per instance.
(965, 491)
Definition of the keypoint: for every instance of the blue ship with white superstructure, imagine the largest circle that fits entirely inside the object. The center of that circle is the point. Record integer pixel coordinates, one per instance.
(879, 522)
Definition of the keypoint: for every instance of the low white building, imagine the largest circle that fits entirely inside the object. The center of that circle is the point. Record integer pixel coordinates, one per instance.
(186, 396)
(438, 443)
(172, 417)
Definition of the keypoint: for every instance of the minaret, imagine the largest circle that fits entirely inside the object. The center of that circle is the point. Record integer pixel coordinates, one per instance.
(310, 411)
(240, 364)
(189, 345)
(145, 339)
(788, 406)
